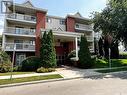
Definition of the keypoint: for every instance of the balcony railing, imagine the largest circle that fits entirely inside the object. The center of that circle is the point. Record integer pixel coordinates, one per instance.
(19, 47)
(91, 48)
(90, 38)
(20, 31)
(22, 17)
(83, 27)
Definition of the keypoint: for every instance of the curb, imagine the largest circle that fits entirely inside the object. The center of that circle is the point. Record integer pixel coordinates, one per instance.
(54, 80)
(44, 81)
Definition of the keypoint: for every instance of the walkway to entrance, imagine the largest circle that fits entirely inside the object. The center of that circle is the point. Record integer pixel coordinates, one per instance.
(72, 72)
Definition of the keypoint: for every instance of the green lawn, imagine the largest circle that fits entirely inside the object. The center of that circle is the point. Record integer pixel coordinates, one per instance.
(100, 63)
(15, 73)
(28, 79)
(112, 70)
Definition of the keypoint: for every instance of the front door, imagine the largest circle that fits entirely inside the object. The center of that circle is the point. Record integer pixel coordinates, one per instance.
(19, 58)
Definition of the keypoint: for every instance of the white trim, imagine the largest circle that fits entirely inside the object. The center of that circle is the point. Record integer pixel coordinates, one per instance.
(64, 33)
(19, 35)
(76, 45)
(23, 21)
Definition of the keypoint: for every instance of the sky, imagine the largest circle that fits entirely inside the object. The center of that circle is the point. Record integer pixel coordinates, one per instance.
(64, 7)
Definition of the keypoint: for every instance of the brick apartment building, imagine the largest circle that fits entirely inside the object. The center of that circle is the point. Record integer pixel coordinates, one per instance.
(23, 28)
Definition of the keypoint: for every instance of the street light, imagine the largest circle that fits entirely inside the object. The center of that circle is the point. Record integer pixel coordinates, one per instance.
(13, 60)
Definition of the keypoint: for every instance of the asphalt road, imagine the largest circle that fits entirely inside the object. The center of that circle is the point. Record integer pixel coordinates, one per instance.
(92, 86)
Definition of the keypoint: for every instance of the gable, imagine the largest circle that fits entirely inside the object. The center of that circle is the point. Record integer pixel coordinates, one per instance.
(78, 14)
(27, 4)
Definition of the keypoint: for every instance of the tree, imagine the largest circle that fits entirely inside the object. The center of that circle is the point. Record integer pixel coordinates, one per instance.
(112, 21)
(44, 51)
(100, 45)
(84, 54)
(5, 62)
(47, 51)
(51, 49)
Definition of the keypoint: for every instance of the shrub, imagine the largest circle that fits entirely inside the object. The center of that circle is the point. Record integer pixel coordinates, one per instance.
(17, 68)
(47, 51)
(123, 56)
(72, 54)
(30, 64)
(5, 67)
(5, 63)
(84, 54)
(44, 70)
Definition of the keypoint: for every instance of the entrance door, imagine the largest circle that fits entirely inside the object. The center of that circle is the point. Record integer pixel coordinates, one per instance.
(20, 58)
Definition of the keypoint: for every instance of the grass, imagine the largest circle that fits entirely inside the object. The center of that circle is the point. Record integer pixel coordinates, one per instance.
(15, 73)
(28, 79)
(100, 63)
(112, 70)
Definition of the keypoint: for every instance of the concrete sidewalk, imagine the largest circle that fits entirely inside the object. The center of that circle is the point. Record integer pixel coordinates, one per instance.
(28, 75)
(66, 72)
(72, 72)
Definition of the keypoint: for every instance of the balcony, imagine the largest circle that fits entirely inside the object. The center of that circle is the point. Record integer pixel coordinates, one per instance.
(22, 17)
(82, 27)
(90, 38)
(19, 47)
(91, 48)
(19, 31)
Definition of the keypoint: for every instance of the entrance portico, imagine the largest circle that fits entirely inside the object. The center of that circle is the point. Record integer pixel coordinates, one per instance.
(65, 42)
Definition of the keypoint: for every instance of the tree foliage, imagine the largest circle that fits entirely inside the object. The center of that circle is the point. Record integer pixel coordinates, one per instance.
(5, 63)
(84, 54)
(47, 51)
(51, 49)
(113, 20)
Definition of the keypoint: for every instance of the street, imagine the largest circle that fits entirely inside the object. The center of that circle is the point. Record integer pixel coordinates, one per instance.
(90, 86)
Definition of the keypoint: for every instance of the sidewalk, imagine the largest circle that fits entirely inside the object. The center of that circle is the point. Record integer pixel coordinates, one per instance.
(28, 75)
(72, 72)
(66, 72)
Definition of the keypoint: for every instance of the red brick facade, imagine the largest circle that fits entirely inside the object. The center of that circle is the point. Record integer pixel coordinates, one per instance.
(70, 24)
(41, 23)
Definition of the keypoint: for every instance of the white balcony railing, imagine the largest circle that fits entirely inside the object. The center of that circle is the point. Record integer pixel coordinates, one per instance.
(20, 31)
(19, 47)
(22, 17)
(90, 38)
(91, 48)
(83, 27)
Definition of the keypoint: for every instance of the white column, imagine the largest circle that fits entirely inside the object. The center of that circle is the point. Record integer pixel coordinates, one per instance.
(3, 42)
(76, 45)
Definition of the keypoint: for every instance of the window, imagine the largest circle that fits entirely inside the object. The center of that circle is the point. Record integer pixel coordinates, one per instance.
(32, 42)
(62, 21)
(48, 20)
(77, 26)
(32, 30)
(18, 30)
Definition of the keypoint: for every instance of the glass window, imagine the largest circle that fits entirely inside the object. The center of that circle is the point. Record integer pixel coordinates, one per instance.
(48, 20)
(77, 26)
(32, 42)
(62, 21)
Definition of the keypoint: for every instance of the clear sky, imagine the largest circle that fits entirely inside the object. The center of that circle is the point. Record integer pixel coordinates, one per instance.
(64, 7)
